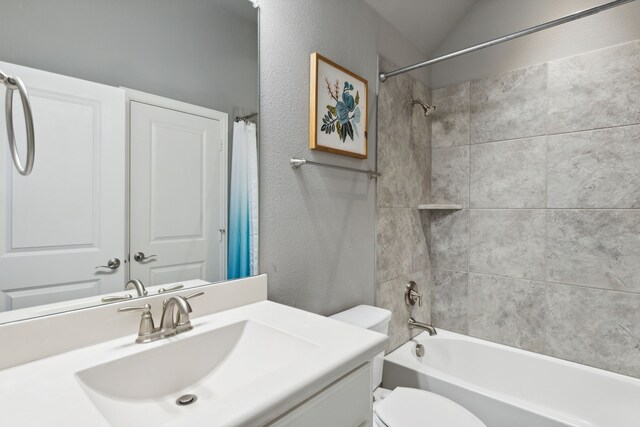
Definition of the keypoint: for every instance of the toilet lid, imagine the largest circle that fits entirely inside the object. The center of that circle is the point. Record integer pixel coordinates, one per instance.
(410, 407)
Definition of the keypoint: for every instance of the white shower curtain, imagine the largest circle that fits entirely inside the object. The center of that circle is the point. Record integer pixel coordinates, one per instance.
(243, 203)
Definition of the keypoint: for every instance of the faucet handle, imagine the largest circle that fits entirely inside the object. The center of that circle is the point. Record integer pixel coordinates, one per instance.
(194, 295)
(411, 294)
(415, 296)
(147, 328)
(145, 309)
(116, 298)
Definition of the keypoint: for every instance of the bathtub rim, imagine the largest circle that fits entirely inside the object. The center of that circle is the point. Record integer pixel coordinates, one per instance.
(405, 356)
(423, 337)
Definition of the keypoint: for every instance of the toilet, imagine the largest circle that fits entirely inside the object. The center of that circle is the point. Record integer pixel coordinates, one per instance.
(404, 406)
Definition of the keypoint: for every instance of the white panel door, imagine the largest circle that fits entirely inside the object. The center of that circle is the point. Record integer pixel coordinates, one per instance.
(177, 194)
(67, 217)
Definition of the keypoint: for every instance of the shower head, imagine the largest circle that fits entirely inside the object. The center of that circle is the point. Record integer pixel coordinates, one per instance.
(428, 109)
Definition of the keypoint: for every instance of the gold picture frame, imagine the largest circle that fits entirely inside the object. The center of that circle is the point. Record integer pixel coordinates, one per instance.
(338, 109)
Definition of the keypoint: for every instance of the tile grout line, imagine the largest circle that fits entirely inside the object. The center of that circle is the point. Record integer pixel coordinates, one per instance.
(556, 209)
(546, 282)
(468, 298)
(545, 333)
(542, 135)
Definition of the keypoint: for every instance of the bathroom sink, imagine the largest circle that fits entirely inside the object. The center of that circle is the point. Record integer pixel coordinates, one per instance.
(143, 388)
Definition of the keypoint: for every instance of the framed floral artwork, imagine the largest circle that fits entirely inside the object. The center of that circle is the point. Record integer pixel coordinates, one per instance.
(338, 110)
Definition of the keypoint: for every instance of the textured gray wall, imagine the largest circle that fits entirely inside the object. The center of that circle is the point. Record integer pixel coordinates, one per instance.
(317, 225)
(544, 256)
(189, 50)
(317, 237)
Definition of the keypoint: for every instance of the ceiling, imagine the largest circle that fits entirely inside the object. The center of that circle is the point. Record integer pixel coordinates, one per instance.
(425, 23)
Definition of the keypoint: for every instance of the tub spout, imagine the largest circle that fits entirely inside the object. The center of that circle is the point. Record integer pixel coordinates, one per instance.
(413, 324)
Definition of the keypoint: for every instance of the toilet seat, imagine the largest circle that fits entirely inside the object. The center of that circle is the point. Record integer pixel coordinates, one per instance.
(410, 407)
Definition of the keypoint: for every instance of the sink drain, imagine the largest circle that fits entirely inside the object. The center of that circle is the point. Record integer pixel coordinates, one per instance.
(186, 399)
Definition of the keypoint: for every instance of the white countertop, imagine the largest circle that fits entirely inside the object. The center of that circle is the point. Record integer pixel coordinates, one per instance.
(47, 392)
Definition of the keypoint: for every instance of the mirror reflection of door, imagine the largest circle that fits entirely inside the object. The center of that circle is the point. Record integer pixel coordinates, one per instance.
(178, 197)
(56, 227)
(62, 230)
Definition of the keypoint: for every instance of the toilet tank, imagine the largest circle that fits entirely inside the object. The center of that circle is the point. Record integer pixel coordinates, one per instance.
(372, 318)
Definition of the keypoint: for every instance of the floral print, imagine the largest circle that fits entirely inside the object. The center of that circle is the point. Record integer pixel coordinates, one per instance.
(344, 116)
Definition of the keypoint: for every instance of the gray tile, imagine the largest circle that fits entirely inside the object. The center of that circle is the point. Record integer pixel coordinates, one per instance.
(417, 177)
(419, 162)
(508, 311)
(595, 169)
(393, 154)
(449, 247)
(419, 246)
(394, 109)
(509, 174)
(394, 141)
(420, 124)
(390, 295)
(596, 89)
(403, 145)
(449, 302)
(394, 243)
(508, 106)
(450, 175)
(507, 243)
(599, 248)
(450, 122)
(595, 327)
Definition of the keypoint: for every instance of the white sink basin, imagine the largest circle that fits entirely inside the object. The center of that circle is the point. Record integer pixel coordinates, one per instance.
(141, 389)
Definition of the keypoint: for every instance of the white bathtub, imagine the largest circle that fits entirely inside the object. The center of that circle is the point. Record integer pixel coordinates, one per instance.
(507, 387)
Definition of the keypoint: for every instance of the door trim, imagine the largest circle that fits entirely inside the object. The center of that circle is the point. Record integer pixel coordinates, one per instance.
(132, 95)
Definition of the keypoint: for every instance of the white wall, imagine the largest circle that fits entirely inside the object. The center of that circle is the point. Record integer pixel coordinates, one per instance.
(493, 18)
(317, 225)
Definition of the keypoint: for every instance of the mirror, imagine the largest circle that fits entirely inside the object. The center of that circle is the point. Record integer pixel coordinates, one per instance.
(145, 120)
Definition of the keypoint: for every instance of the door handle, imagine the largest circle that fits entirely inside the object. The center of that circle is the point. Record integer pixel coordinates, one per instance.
(113, 264)
(140, 256)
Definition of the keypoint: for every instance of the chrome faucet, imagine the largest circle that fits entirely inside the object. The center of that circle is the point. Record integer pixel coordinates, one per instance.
(170, 324)
(137, 285)
(413, 324)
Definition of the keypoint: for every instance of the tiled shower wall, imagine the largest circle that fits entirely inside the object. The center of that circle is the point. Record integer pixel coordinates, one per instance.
(545, 255)
(404, 151)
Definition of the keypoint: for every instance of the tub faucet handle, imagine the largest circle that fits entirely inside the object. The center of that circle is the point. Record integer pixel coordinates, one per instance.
(411, 294)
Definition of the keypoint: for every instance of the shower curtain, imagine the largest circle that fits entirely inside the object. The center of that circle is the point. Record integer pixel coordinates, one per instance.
(243, 203)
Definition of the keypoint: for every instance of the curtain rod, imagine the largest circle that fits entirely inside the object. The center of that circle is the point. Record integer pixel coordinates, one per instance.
(245, 118)
(577, 15)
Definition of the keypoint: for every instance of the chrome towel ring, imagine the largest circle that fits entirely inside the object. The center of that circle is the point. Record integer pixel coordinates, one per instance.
(12, 84)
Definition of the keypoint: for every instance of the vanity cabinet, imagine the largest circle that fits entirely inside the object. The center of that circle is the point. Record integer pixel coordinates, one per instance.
(345, 403)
